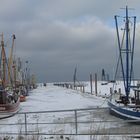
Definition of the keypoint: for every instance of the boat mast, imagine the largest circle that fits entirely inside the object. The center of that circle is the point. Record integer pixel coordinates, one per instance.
(128, 51)
(10, 62)
(127, 55)
(3, 62)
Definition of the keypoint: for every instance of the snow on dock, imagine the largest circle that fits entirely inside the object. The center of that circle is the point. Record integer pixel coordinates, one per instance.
(86, 123)
(58, 98)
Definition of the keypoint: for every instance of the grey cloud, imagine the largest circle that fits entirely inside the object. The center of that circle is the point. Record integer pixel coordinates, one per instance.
(63, 46)
(58, 35)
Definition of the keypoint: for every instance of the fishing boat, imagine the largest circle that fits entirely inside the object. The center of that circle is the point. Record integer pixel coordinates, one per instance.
(9, 98)
(126, 105)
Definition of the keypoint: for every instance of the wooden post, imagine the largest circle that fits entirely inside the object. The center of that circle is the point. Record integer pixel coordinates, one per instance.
(119, 90)
(96, 84)
(91, 82)
(83, 88)
(111, 91)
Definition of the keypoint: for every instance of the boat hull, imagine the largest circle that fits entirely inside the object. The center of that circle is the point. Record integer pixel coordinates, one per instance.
(22, 98)
(122, 112)
(8, 110)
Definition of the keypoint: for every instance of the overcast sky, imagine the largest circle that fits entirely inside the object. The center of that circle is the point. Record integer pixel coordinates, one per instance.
(56, 36)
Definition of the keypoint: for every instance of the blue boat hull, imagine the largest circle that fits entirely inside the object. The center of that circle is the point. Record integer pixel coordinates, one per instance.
(123, 113)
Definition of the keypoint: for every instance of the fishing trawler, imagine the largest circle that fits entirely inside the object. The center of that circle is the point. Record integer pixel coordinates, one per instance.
(9, 98)
(126, 105)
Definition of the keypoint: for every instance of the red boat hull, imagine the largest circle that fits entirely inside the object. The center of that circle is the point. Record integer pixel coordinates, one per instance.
(22, 98)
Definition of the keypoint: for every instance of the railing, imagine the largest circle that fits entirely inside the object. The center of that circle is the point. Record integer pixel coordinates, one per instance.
(91, 121)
